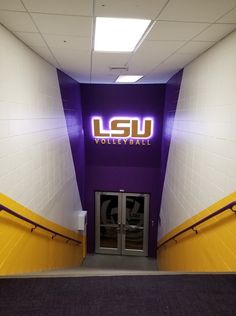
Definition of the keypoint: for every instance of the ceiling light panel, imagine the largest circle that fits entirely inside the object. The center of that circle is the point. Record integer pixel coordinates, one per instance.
(128, 79)
(118, 35)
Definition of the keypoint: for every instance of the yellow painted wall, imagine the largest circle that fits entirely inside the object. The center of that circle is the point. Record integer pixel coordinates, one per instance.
(22, 251)
(213, 249)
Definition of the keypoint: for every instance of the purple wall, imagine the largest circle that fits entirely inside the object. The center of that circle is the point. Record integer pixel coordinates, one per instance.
(171, 99)
(115, 167)
(119, 167)
(70, 93)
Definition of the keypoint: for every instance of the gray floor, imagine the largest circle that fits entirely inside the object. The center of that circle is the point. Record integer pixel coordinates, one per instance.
(97, 261)
(102, 265)
(106, 265)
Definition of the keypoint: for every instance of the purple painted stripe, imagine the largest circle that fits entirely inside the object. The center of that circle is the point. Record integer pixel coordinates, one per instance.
(171, 100)
(70, 93)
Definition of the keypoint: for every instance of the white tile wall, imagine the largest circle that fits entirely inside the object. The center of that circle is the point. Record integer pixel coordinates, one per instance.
(201, 166)
(36, 166)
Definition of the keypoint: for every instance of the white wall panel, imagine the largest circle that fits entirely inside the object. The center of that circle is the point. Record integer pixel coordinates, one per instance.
(202, 158)
(36, 166)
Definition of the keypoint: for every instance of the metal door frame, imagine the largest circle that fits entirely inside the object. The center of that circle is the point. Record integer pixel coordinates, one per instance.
(121, 225)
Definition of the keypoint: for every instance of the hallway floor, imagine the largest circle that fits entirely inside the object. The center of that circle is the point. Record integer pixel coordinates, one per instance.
(115, 262)
(102, 265)
(108, 265)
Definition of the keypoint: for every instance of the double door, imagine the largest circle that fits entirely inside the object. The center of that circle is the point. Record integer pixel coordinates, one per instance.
(122, 223)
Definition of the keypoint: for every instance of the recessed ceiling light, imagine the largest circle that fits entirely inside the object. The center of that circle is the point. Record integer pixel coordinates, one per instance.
(128, 79)
(118, 35)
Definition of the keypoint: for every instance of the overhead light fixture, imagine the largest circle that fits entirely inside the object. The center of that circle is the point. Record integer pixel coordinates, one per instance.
(128, 79)
(118, 34)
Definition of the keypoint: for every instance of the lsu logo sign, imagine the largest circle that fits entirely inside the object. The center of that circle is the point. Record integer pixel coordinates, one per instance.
(123, 130)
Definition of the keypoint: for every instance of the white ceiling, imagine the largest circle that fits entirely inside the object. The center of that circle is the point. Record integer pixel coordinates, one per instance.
(62, 32)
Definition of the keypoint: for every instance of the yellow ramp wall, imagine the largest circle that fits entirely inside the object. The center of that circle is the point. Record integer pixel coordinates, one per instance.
(22, 251)
(213, 249)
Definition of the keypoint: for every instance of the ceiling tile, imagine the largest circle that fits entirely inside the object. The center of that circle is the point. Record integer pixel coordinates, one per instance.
(167, 69)
(141, 69)
(195, 47)
(196, 10)
(103, 78)
(103, 61)
(74, 60)
(158, 77)
(129, 9)
(63, 25)
(79, 77)
(169, 31)
(12, 5)
(152, 53)
(63, 32)
(229, 17)
(176, 61)
(158, 47)
(164, 71)
(70, 7)
(31, 39)
(66, 41)
(17, 21)
(215, 32)
(141, 66)
(45, 53)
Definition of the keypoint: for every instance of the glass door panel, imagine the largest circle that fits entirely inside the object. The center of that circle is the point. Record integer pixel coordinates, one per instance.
(134, 239)
(134, 213)
(108, 237)
(108, 215)
(135, 221)
(122, 223)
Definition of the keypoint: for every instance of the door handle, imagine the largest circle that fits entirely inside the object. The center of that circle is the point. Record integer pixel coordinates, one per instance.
(124, 229)
(118, 229)
(132, 227)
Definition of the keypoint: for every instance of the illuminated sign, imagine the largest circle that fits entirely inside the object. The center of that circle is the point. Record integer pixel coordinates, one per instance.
(123, 130)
